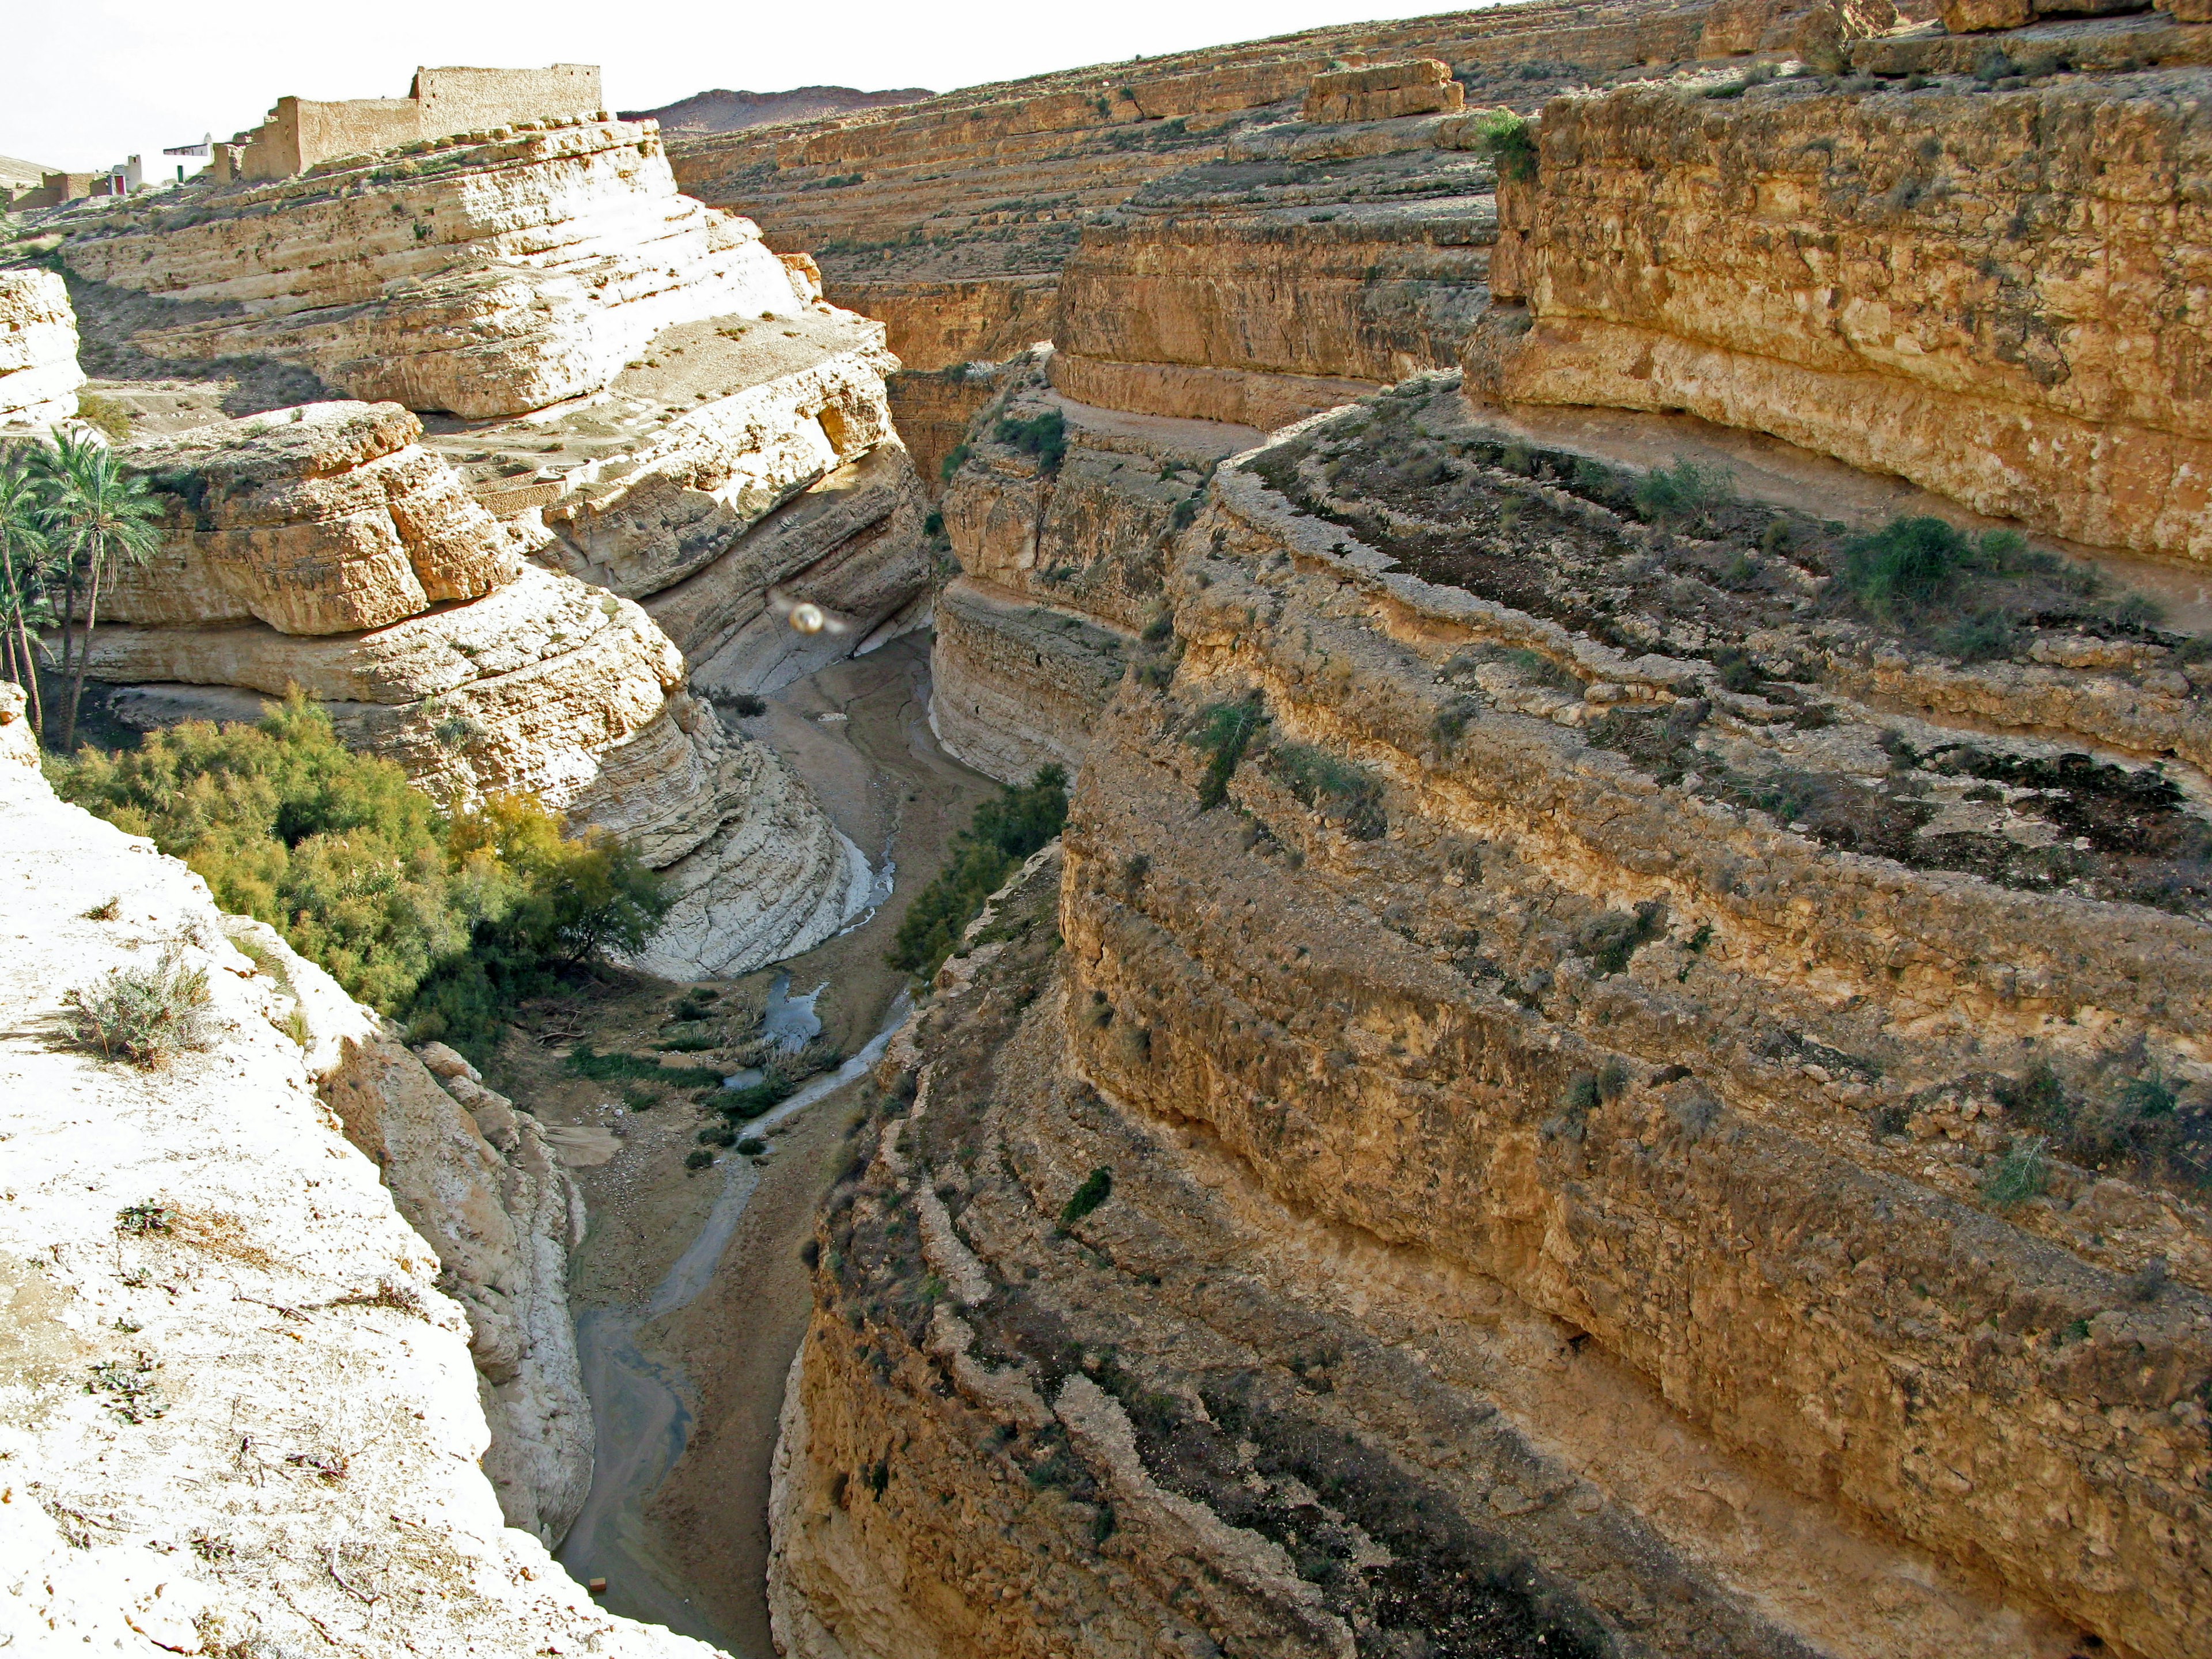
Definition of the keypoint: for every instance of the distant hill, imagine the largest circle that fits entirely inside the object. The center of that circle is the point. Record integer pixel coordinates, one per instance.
(724, 110)
(17, 172)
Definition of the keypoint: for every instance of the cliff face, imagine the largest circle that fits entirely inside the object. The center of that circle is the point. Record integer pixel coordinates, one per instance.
(1615, 1129)
(484, 276)
(1305, 266)
(1989, 293)
(242, 1409)
(39, 375)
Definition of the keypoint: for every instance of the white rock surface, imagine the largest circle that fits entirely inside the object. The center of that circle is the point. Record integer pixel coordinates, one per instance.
(39, 375)
(310, 1482)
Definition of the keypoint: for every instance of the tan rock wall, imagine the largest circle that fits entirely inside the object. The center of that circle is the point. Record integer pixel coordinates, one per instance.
(39, 375)
(1987, 294)
(1383, 92)
(327, 519)
(1366, 1081)
(1289, 300)
(1017, 685)
(937, 325)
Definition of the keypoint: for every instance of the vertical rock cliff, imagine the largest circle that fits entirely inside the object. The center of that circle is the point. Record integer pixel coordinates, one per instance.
(1572, 1085)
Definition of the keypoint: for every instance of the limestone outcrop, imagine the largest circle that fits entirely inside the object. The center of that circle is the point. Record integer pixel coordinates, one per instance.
(327, 519)
(1987, 293)
(243, 1410)
(1633, 1026)
(38, 373)
(487, 275)
(335, 519)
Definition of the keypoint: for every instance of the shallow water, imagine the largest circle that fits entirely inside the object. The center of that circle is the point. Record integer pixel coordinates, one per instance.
(641, 1410)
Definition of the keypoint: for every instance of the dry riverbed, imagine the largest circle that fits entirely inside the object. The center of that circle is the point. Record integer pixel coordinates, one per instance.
(701, 1371)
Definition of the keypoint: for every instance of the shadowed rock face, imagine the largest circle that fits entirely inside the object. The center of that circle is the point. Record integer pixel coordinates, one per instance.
(39, 375)
(479, 275)
(1598, 1050)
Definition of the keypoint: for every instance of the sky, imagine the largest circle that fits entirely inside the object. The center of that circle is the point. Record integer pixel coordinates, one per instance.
(87, 83)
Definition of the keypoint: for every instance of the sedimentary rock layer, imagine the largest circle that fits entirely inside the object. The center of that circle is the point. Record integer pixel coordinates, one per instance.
(544, 683)
(1989, 294)
(484, 276)
(39, 375)
(1061, 559)
(244, 1414)
(326, 519)
(1588, 1055)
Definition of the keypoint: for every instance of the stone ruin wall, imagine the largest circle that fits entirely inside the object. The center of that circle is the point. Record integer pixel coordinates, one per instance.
(302, 132)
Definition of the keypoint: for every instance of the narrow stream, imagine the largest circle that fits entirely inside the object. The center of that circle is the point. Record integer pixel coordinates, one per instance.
(640, 1413)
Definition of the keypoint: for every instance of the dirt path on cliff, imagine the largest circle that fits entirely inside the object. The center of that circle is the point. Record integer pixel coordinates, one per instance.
(686, 1396)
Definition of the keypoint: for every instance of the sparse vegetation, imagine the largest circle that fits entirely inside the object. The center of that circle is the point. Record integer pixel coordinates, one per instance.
(1346, 791)
(1686, 495)
(1511, 142)
(1005, 831)
(1224, 731)
(2021, 1174)
(1044, 436)
(1097, 1186)
(146, 1016)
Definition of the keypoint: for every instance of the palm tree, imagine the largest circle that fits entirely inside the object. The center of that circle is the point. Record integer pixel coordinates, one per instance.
(101, 517)
(23, 575)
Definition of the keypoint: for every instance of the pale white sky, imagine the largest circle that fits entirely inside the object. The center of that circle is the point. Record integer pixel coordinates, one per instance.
(84, 83)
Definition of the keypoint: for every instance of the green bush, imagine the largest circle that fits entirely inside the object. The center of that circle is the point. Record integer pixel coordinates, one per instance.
(1511, 142)
(442, 921)
(1044, 436)
(1097, 1186)
(1686, 493)
(1911, 563)
(2021, 1174)
(1225, 731)
(1005, 831)
(1321, 780)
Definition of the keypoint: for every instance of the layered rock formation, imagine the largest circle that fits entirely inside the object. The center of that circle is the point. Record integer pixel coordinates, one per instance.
(293, 543)
(486, 275)
(243, 1412)
(1613, 1130)
(1305, 266)
(1059, 515)
(1989, 293)
(952, 217)
(39, 375)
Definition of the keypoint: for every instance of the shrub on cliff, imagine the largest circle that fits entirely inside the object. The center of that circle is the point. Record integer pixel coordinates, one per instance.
(441, 920)
(1005, 831)
(1044, 436)
(1510, 141)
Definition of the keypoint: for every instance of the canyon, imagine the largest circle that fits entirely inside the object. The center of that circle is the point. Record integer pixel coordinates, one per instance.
(1613, 1058)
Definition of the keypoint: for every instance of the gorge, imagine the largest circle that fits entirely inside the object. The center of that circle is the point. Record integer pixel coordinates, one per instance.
(1613, 1057)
